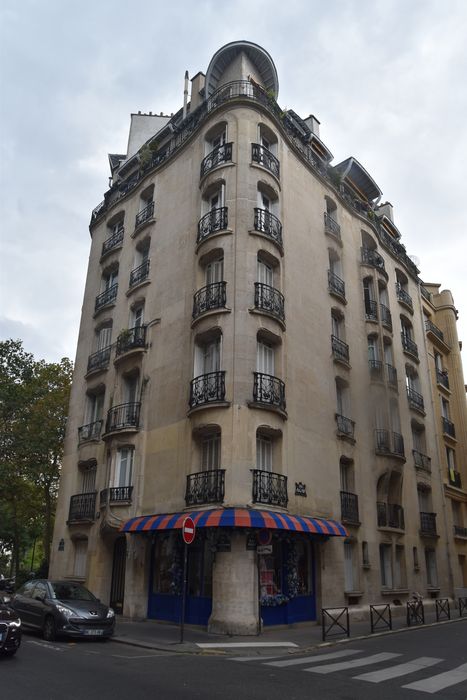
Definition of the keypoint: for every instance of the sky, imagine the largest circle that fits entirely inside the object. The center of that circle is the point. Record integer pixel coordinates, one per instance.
(386, 79)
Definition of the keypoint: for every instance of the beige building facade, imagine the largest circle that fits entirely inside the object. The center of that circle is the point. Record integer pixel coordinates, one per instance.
(253, 352)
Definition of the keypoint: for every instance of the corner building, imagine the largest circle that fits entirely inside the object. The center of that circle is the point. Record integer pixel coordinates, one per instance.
(250, 330)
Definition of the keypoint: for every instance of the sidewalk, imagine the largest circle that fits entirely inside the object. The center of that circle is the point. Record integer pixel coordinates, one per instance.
(150, 634)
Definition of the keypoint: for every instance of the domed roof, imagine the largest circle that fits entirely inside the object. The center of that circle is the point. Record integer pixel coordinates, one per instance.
(257, 55)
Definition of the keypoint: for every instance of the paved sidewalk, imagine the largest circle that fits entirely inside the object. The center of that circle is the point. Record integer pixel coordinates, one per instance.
(151, 634)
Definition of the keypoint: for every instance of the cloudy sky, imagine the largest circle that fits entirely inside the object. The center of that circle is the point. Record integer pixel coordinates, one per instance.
(387, 80)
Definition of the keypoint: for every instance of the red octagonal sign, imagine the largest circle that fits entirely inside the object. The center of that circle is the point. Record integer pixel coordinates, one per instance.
(188, 530)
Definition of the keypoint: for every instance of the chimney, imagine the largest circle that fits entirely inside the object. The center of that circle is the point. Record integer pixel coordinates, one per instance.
(386, 209)
(197, 84)
(313, 124)
(185, 95)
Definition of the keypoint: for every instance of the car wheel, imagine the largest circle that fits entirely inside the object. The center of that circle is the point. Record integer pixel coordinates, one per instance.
(49, 632)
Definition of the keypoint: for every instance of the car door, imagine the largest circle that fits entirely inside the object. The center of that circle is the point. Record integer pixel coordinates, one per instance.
(22, 602)
(37, 604)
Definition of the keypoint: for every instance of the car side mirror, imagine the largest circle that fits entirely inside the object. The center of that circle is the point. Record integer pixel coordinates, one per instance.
(40, 596)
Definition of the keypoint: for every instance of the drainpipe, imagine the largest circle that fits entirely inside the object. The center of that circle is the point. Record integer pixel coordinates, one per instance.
(185, 95)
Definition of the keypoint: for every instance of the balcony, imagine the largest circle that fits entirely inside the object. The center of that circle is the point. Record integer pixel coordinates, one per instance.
(207, 388)
(372, 258)
(386, 318)
(376, 369)
(336, 286)
(331, 226)
(340, 350)
(215, 220)
(460, 531)
(425, 293)
(91, 431)
(421, 461)
(415, 400)
(106, 298)
(82, 507)
(116, 494)
(218, 156)
(390, 515)
(113, 241)
(408, 345)
(264, 157)
(428, 524)
(389, 443)
(209, 298)
(125, 416)
(205, 487)
(454, 478)
(448, 427)
(269, 488)
(139, 274)
(430, 328)
(371, 310)
(392, 375)
(269, 300)
(442, 378)
(144, 215)
(269, 225)
(349, 507)
(403, 296)
(99, 360)
(131, 339)
(345, 426)
(269, 390)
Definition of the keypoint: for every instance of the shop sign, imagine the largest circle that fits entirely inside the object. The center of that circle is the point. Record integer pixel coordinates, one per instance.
(300, 489)
(251, 541)
(264, 549)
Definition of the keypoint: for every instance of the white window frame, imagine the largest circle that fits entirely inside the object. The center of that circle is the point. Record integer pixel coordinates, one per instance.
(264, 456)
(80, 558)
(123, 474)
(265, 358)
(211, 452)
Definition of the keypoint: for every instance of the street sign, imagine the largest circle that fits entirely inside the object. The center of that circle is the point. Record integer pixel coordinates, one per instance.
(188, 530)
(264, 549)
(264, 536)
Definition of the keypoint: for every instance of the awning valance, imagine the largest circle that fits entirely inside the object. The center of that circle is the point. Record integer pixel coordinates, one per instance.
(237, 517)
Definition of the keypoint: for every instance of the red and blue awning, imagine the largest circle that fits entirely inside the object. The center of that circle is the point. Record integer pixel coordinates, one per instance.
(237, 517)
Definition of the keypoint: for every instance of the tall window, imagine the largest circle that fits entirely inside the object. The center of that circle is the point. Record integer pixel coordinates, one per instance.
(386, 565)
(349, 567)
(265, 273)
(81, 552)
(264, 453)
(88, 478)
(109, 279)
(137, 316)
(215, 271)
(124, 467)
(431, 569)
(94, 407)
(103, 337)
(264, 358)
(211, 451)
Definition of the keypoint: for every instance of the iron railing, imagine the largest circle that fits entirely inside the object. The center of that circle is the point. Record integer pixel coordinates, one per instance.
(403, 296)
(123, 416)
(145, 214)
(390, 515)
(454, 478)
(212, 296)
(376, 368)
(116, 494)
(269, 224)
(82, 507)
(415, 399)
(371, 310)
(207, 388)
(386, 318)
(113, 241)
(264, 157)
(425, 293)
(139, 274)
(349, 507)
(372, 257)
(331, 225)
(220, 154)
(336, 285)
(270, 300)
(91, 431)
(421, 461)
(215, 220)
(392, 375)
(340, 350)
(205, 487)
(431, 328)
(408, 345)
(269, 488)
(269, 390)
(99, 359)
(130, 339)
(428, 524)
(107, 297)
(448, 427)
(442, 378)
(345, 426)
(460, 531)
(389, 443)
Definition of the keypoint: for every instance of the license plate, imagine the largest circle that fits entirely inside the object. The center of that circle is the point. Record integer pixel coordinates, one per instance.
(94, 633)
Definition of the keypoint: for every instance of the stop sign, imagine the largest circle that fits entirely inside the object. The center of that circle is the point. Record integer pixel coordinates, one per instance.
(188, 530)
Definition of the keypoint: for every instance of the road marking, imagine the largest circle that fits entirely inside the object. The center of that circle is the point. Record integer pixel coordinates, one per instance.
(354, 663)
(45, 645)
(399, 670)
(233, 645)
(313, 659)
(142, 656)
(251, 658)
(440, 681)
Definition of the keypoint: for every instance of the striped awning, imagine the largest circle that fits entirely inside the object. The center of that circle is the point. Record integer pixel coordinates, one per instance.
(237, 517)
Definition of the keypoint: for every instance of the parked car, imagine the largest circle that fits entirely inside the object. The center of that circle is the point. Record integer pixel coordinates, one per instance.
(10, 628)
(63, 608)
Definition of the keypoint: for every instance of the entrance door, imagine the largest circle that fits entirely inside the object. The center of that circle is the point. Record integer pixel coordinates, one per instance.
(117, 588)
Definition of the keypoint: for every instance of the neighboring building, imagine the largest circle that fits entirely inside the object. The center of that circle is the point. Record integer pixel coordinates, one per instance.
(252, 350)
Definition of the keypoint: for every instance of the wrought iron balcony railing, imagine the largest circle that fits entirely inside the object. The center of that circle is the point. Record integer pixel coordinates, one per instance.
(403, 296)
(386, 318)
(113, 241)
(139, 274)
(442, 378)
(116, 494)
(212, 296)
(392, 375)
(408, 345)
(269, 390)
(421, 461)
(454, 478)
(428, 524)
(425, 293)
(340, 350)
(269, 224)
(389, 443)
(390, 515)
(415, 399)
(215, 220)
(205, 487)
(460, 531)
(371, 310)
(123, 416)
(331, 225)
(145, 214)
(220, 154)
(130, 339)
(345, 426)
(264, 157)
(448, 427)
(91, 431)
(349, 507)
(82, 507)
(376, 369)
(270, 300)
(269, 488)
(372, 257)
(431, 328)
(336, 285)
(207, 388)
(99, 359)
(107, 297)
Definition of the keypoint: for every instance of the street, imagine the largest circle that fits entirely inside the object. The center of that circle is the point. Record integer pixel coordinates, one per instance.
(414, 664)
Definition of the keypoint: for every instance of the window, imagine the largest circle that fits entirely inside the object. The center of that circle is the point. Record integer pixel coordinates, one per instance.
(131, 386)
(349, 567)
(457, 514)
(399, 567)
(124, 467)
(264, 453)
(416, 564)
(342, 397)
(331, 209)
(81, 552)
(103, 337)
(365, 555)
(208, 357)
(371, 313)
(88, 478)
(264, 358)
(451, 460)
(265, 272)
(137, 316)
(445, 409)
(109, 279)
(385, 565)
(337, 324)
(431, 569)
(211, 452)
(116, 224)
(94, 408)
(215, 271)
(373, 352)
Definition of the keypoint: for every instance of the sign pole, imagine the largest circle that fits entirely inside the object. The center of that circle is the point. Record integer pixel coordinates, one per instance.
(185, 577)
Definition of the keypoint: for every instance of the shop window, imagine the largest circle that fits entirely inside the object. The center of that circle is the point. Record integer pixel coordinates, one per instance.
(167, 576)
(270, 572)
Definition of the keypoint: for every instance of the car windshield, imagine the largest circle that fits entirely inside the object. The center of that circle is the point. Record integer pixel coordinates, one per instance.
(70, 591)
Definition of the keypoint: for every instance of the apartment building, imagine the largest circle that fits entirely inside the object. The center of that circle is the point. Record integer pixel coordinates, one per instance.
(253, 353)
